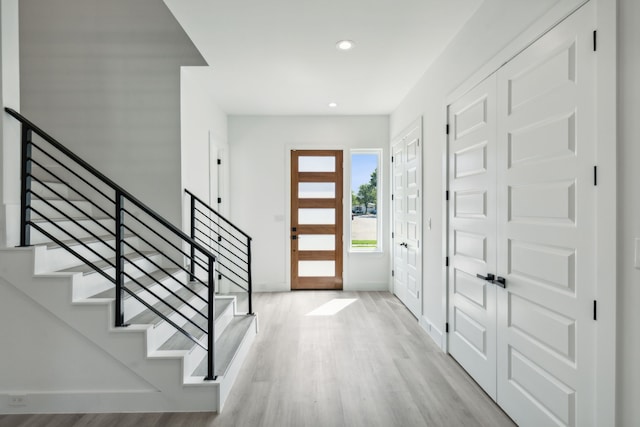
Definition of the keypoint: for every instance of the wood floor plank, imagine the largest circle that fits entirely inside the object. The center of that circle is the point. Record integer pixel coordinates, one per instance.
(368, 365)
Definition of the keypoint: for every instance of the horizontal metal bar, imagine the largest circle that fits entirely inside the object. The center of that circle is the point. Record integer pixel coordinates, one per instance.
(32, 209)
(218, 215)
(83, 259)
(70, 170)
(164, 287)
(177, 264)
(165, 318)
(239, 277)
(88, 216)
(163, 270)
(219, 235)
(79, 241)
(220, 255)
(232, 281)
(148, 227)
(103, 178)
(222, 228)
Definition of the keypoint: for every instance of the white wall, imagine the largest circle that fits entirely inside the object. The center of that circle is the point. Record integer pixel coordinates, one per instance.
(103, 77)
(9, 128)
(42, 355)
(204, 134)
(259, 174)
(628, 212)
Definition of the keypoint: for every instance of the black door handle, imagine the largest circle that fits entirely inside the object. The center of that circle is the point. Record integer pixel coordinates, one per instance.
(406, 245)
(294, 237)
(489, 277)
(500, 281)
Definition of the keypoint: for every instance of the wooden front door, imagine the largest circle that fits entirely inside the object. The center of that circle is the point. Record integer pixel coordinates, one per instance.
(316, 219)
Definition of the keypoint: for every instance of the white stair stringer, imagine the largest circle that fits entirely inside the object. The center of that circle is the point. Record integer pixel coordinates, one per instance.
(165, 371)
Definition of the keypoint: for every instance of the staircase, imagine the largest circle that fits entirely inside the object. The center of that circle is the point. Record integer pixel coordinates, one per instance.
(144, 294)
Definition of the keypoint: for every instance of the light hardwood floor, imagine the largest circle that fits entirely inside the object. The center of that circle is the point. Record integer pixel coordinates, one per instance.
(369, 365)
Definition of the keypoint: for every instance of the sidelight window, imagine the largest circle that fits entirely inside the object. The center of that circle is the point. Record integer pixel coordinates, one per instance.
(365, 200)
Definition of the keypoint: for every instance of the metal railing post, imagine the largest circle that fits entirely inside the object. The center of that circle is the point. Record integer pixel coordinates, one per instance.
(211, 322)
(25, 188)
(119, 314)
(249, 285)
(192, 267)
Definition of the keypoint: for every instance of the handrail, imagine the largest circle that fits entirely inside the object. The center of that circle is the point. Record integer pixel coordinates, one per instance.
(225, 263)
(104, 178)
(116, 268)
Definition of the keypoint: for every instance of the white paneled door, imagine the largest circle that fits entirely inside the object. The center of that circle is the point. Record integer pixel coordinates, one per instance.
(472, 233)
(546, 228)
(528, 335)
(407, 217)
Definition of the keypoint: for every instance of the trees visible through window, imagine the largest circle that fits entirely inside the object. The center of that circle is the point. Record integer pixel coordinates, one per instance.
(365, 167)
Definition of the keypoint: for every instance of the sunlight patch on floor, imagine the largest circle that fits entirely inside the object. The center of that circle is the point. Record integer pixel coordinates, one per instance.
(332, 307)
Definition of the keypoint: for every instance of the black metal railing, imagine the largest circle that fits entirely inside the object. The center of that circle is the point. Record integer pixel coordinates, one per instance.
(67, 202)
(230, 245)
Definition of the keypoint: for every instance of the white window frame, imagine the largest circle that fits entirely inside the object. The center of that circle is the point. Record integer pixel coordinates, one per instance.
(379, 192)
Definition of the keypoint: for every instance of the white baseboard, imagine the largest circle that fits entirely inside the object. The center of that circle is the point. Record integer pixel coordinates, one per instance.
(368, 286)
(436, 334)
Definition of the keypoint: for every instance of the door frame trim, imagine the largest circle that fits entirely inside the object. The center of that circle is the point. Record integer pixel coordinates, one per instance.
(606, 197)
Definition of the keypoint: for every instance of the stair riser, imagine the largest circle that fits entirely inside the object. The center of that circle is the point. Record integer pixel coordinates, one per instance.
(45, 193)
(59, 258)
(87, 285)
(74, 209)
(38, 238)
(133, 307)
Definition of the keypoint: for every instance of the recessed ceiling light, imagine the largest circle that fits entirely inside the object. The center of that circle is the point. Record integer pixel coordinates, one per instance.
(332, 105)
(345, 45)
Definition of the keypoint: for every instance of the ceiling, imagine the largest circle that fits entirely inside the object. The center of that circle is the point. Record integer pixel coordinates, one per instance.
(279, 57)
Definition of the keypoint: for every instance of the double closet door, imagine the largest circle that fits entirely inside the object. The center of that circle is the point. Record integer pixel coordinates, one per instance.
(522, 229)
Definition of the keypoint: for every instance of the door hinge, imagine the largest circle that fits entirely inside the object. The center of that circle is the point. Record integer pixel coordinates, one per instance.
(418, 142)
(595, 40)
(446, 195)
(219, 161)
(595, 310)
(392, 235)
(391, 159)
(417, 193)
(595, 175)
(446, 262)
(447, 129)
(446, 327)
(219, 200)
(392, 197)
(393, 273)
(219, 276)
